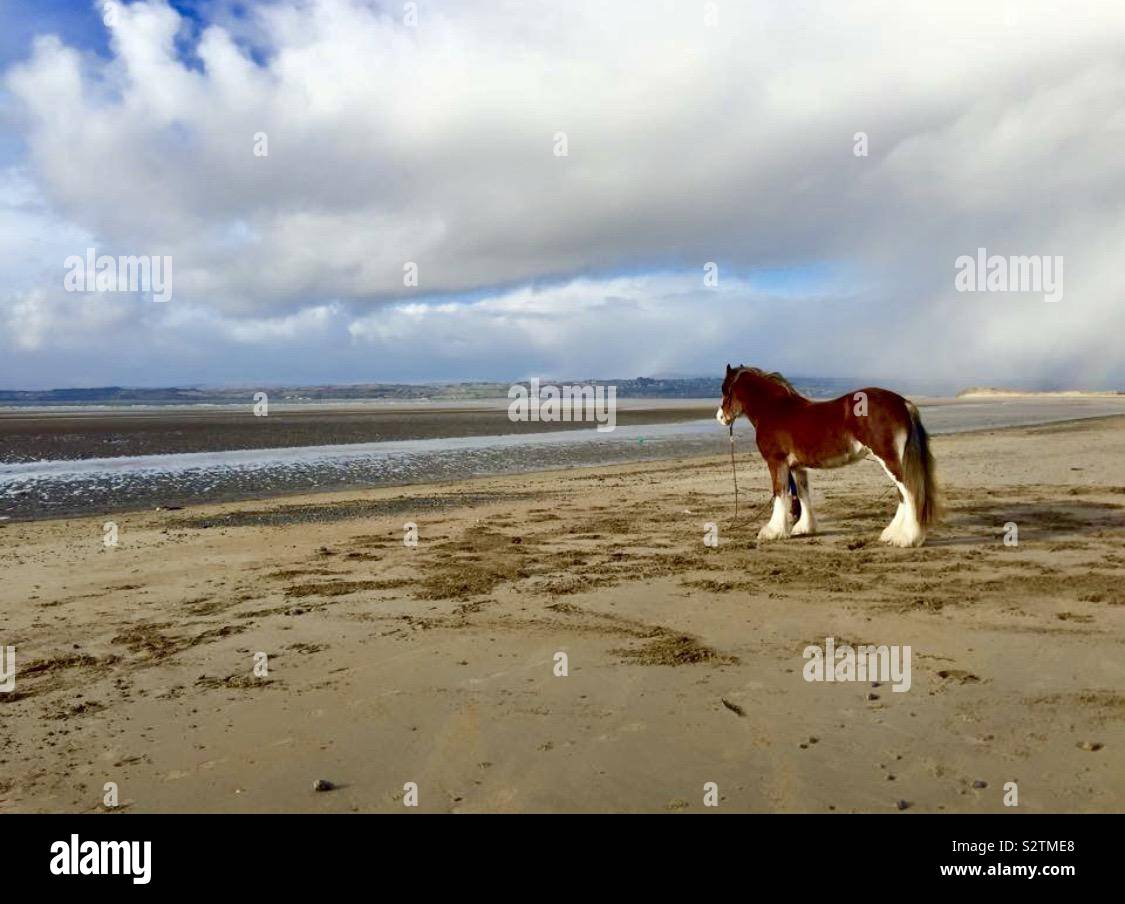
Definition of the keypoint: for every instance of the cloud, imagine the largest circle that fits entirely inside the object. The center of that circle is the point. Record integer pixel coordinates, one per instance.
(994, 126)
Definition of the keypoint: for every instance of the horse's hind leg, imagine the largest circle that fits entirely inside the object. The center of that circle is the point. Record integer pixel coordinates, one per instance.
(904, 529)
(806, 524)
(892, 529)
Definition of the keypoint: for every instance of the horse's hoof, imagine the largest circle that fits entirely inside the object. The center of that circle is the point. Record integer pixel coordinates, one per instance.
(906, 542)
(803, 530)
(770, 533)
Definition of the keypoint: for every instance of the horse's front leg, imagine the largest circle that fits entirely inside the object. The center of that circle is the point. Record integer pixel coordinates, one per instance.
(781, 522)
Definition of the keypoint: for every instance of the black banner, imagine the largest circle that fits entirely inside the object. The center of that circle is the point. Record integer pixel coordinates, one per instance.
(287, 852)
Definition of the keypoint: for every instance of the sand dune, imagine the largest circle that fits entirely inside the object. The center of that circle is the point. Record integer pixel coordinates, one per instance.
(983, 392)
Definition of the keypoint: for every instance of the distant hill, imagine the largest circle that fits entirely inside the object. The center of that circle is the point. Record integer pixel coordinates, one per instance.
(173, 395)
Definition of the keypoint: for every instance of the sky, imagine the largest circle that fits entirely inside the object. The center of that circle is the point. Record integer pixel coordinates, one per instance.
(784, 184)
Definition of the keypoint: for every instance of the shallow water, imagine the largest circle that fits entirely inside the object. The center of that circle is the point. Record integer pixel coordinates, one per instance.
(87, 486)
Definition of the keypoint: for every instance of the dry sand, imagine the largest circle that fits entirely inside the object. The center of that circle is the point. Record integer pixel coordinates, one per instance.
(434, 664)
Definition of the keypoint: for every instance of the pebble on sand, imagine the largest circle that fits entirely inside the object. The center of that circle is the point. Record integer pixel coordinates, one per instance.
(322, 784)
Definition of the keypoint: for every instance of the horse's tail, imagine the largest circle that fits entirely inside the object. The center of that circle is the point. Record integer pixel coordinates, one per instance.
(919, 471)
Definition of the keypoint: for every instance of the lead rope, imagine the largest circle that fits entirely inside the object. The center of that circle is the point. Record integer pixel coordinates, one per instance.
(733, 472)
(734, 477)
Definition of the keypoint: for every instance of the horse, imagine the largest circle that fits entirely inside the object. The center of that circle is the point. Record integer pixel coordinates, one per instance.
(794, 434)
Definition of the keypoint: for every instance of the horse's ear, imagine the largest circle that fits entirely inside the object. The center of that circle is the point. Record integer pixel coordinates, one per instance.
(729, 368)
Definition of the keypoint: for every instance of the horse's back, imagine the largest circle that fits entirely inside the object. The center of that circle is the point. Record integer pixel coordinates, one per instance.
(836, 432)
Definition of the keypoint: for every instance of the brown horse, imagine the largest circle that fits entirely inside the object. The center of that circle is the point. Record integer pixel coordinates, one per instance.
(795, 433)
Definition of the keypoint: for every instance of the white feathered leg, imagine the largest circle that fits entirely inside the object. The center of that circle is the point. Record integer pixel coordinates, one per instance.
(780, 522)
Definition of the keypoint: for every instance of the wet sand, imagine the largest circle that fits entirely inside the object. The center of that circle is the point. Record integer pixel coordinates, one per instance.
(435, 664)
(651, 430)
(51, 434)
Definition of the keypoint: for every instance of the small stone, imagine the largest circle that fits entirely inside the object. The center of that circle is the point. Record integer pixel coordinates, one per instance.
(902, 804)
(872, 696)
(322, 784)
(1091, 745)
(980, 784)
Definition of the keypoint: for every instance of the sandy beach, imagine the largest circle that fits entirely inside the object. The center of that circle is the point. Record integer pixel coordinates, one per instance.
(436, 664)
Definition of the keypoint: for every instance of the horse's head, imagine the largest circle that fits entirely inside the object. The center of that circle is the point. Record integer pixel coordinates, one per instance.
(731, 408)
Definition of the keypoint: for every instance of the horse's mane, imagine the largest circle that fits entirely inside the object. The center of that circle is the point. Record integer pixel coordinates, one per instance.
(772, 376)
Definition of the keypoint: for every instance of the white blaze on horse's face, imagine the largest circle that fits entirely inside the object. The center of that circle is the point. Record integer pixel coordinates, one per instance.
(727, 417)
